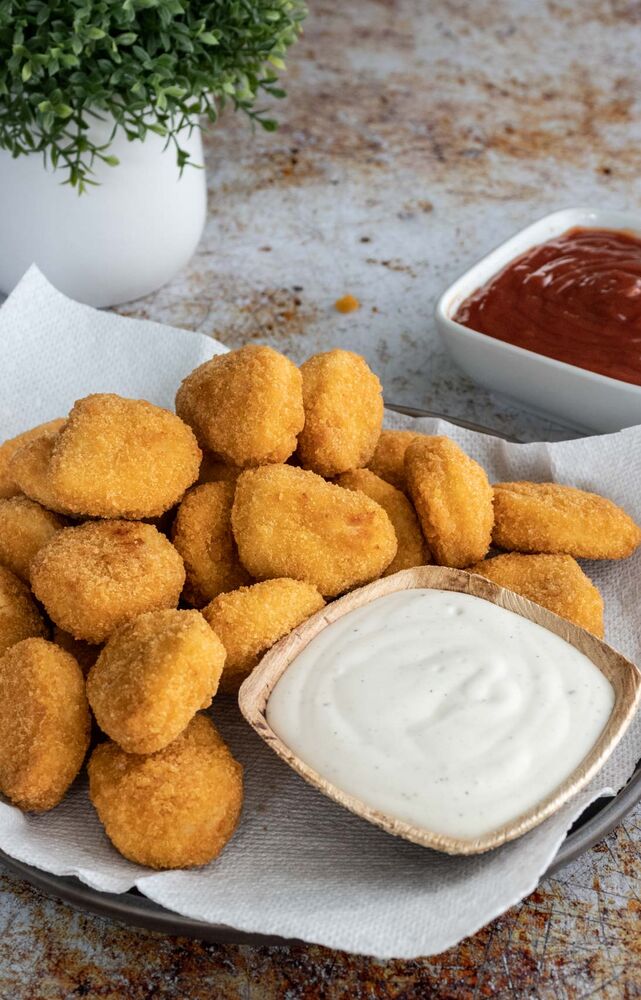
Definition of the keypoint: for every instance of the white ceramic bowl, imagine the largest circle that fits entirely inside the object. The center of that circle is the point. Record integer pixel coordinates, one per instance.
(580, 398)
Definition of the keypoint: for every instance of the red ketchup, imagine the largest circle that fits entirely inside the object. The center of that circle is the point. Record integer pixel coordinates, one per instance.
(576, 298)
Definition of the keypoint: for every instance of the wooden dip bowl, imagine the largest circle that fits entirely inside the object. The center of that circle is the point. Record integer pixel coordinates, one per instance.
(622, 674)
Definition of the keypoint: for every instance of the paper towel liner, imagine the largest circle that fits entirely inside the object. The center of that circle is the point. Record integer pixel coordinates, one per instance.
(299, 866)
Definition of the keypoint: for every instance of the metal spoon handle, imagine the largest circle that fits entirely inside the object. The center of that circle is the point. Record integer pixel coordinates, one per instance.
(413, 411)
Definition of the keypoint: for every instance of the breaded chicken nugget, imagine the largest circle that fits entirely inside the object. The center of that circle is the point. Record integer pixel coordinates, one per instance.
(29, 467)
(251, 619)
(114, 457)
(19, 616)
(94, 578)
(203, 536)
(214, 471)
(152, 677)
(453, 500)
(343, 413)
(25, 527)
(246, 407)
(84, 653)
(556, 582)
(388, 460)
(176, 808)
(288, 522)
(8, 486)
(412, 550)
(44, 723)
(548, 517)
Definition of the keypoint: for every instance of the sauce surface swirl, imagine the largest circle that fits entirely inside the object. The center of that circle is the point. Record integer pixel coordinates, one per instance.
(575, 298)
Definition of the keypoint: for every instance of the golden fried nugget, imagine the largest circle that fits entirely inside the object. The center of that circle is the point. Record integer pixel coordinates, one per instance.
(176, 808)
(214, 471)
(84, 653)
(94, 578)
(44, 723)
(19, 616)
(251, 619)
(29, 467)
(548, 517)
(453, 500)
(412, 550)
(555, 582)
(8, 486)
(343, 413)
(25, 527)
(288, 522)
(152, 677)
(203, 536)
(246, 406)
(114, 457)
(388, 460)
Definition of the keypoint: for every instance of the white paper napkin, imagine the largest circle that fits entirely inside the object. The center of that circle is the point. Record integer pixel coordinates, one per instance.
(298, 865)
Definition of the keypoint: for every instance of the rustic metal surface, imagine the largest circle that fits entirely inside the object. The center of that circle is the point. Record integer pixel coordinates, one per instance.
(417, 135)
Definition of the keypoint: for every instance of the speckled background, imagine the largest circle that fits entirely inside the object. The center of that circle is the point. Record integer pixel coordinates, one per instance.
(417, 135)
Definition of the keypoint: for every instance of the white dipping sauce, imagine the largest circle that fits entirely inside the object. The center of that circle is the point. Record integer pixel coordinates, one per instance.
(441, 709)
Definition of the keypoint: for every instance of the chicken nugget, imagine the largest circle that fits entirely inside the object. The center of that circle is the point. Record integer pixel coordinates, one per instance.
(412, 550)
(548, 517)
(453, 500)
(288, 522)
(29, 466)
(202, 535)
(388, 460)
(84, 653)
(8, 486)
(251, 619)
(176, 808)
(246, 406)
(19, 616)
(343, 413)
(555, 582)
(25, 527)
(114, 457)
(94, 578)
(152, 677)
(44, 723)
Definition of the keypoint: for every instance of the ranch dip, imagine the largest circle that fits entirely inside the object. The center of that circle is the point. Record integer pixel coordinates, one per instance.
(441, 709)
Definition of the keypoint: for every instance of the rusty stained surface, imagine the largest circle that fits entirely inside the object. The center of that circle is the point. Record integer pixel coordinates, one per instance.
(416, 137)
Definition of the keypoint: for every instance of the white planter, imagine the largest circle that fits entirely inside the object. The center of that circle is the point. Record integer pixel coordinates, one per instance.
(118, 241)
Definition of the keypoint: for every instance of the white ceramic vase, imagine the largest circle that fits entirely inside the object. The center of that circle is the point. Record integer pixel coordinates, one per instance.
(118, 241)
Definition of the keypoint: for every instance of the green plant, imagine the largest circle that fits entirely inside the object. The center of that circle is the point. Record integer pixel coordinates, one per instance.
(152, 65)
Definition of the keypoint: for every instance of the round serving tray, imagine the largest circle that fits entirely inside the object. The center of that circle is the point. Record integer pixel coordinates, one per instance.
(136, 910)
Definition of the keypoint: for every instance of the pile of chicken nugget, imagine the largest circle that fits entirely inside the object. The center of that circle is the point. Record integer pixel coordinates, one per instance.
(149, 559)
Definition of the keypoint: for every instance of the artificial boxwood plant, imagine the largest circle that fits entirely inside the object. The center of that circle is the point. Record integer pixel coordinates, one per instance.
(150, 65)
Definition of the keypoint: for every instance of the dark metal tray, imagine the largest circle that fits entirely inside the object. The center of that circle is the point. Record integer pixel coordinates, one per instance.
(136, 910)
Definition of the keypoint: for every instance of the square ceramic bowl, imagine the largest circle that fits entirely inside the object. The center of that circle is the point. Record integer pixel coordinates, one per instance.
(579, 398)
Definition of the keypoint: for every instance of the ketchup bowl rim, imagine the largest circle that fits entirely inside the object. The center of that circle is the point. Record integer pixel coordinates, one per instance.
(543, 229)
